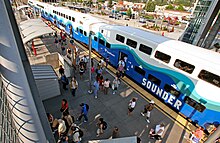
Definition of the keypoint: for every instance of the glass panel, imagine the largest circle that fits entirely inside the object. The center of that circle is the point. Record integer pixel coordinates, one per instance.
(131, 43)
(184, 66)
(120, 38)
(210, 77)
(163, 57)
(154, 79)
(139, 70)
(171, 90)
(145, 49)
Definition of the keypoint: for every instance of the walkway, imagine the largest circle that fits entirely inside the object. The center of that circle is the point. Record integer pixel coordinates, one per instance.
(113, 108)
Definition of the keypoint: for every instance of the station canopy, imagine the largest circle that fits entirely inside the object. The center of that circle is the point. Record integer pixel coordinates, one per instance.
(33, 28)
(22, 7)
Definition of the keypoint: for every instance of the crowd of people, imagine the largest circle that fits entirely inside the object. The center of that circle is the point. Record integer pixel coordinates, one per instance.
(66, 126)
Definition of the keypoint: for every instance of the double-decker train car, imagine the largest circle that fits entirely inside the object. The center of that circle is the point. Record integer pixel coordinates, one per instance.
(184, 77)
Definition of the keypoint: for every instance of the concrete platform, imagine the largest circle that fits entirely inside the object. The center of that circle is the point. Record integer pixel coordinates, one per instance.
(113, 108)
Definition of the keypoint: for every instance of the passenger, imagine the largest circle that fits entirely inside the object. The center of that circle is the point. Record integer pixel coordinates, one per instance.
(107, 61)
(118, 75)
(63, 50)
(209, 128)
(121, 69)
(61, 70)
(115, 133)
(178, 65)
(147, 109)
(115, 85)
(64, 106)
(56, 41)
(74, 85)
(131, 105)
(197, 135)
(96, 88)
(85, 60)
(50, 118)
(81, 71)
(106, 85)
(158, 132)
(92, 72)
(217, 140)
(67, 118)
(101, 82)
(84, 112)
(64, 81)
(61, 128)
(102, 125)
(76, 134)
(68, 53)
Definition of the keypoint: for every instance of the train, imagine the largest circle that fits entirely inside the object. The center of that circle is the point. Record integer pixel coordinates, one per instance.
(184, 77)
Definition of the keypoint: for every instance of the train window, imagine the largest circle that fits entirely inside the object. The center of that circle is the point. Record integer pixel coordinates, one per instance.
(120, 38)
(184, 66)
(102, 31)
(108, 45)
(139, 70)
(73, 19)
(145, 49)
(102, 42)
(95, 38)
(66, 16)
(154, 79)
(51, 15)
(81, 31)
(131, 43)
(171, 90)
(69, 17)
(210, 77)
(77, 29)
(46, 13)
(85, 33)
(163, 57)
(53, 11)
(194, 104)
(59, 13)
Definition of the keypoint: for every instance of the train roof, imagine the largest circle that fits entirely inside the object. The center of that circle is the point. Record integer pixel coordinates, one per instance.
(140, 33)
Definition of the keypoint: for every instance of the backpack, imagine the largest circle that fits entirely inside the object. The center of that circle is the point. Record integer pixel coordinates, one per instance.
(104, 125)
(67, 81)
(80, 132)
(87, 107)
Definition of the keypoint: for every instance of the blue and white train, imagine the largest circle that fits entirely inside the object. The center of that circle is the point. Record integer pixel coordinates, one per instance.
(185, 77)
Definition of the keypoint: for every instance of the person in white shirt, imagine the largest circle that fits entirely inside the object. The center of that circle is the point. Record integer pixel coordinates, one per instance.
(115, 85)
(106, 85)
(158, 132)
(74, 85)
(131, 105)
(61, 127)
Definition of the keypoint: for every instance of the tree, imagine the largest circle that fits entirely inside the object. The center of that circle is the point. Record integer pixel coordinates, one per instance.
(110, 3)
(150, 6)
(129, 12)
(170, 7)
(180, 8)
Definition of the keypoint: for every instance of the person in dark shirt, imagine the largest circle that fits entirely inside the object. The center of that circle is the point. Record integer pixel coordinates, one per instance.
(61, 70)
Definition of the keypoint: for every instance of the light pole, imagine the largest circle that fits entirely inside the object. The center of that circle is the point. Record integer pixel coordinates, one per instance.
(90, 76)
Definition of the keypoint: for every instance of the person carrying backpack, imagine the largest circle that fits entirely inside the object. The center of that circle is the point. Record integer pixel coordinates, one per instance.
(102, 125)
(77, 134)
(84, 112)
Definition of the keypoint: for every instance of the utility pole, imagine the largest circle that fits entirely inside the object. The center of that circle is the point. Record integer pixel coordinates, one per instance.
(90, 64)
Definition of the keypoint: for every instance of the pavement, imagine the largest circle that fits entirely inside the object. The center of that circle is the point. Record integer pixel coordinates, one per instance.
(113, 108)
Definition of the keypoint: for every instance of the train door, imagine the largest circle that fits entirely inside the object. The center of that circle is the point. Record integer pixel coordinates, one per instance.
(123, 56)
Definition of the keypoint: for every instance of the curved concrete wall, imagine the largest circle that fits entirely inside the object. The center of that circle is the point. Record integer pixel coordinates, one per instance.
(19, 94)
